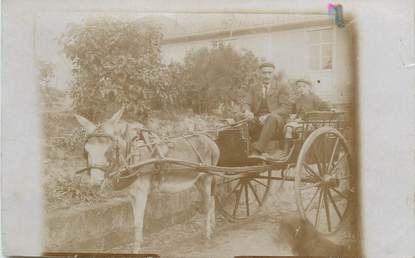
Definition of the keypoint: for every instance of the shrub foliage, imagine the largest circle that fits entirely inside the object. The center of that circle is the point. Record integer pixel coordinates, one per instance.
(118, 63)
(115, 62)
(214, 76)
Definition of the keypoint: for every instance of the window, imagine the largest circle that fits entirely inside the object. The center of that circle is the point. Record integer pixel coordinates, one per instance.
(320, 49)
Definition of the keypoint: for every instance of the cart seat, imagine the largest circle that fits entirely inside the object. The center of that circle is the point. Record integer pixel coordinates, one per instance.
(317, 119)
(324, 118)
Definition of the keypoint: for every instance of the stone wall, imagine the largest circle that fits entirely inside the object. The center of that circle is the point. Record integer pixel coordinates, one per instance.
(107, 225)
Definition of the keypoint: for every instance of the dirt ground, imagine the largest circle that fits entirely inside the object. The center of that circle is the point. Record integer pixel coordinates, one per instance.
(256, 236)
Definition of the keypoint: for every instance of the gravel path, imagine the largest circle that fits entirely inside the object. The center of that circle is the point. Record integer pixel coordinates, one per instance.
(255, 236)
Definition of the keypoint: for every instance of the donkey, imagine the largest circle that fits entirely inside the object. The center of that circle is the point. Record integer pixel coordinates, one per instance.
(118, 136)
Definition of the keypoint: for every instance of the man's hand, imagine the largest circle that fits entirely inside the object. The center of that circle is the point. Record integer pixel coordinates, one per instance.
(249, 115)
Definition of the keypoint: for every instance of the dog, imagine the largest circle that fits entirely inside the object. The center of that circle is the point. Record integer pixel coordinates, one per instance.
(304, 240)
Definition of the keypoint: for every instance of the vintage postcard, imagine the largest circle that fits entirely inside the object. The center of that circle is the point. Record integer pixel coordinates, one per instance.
(185, 133)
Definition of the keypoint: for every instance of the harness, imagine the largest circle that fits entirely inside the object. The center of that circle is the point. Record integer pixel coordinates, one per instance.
(121, 165)
(122, 161)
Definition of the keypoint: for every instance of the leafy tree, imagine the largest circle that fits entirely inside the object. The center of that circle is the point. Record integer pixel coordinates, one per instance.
(215, 76)
(116, 62)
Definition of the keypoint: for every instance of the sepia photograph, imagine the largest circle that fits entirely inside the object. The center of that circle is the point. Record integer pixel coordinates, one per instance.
(195, 135)
(174, 130)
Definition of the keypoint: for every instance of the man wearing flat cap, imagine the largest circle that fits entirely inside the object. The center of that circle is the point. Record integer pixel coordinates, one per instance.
(268, 105)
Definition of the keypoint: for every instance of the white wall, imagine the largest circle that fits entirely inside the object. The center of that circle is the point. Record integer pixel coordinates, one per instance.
(288, 50)
(345, 61)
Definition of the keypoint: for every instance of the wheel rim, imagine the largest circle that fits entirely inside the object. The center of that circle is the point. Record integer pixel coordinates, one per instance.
(237, 199)
(324, 180)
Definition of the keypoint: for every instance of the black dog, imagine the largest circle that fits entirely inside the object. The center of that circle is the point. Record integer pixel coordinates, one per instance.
(304, 240)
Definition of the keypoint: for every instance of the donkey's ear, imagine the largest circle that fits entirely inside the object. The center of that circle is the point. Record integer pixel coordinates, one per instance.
(117, 116)
(86, 124)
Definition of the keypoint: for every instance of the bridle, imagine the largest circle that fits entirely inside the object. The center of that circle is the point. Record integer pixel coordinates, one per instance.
(113, 153)
(117, 159)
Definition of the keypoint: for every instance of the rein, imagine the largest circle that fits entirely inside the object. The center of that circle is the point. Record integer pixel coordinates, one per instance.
(123, 162)
(180, 137)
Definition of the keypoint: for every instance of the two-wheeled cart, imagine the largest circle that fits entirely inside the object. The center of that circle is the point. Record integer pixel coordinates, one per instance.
(319, 163)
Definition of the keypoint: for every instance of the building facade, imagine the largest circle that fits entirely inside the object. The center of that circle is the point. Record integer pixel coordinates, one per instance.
(313, 49)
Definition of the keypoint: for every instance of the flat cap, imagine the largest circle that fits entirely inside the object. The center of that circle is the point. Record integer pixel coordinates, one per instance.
(266, 64)
(303, 81)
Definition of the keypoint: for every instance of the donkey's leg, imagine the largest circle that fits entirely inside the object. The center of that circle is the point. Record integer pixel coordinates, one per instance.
(201, 188)
(206, 182)
(139, 192)
(211, 205)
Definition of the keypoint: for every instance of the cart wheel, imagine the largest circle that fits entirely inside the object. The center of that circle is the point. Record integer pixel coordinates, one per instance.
(324, 179)
(239, 198)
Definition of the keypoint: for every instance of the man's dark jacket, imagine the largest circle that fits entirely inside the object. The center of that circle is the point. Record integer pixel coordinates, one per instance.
(278, 99)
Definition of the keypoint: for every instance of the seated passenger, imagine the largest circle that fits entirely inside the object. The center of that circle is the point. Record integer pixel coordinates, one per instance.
(267, 105)
(306, 101)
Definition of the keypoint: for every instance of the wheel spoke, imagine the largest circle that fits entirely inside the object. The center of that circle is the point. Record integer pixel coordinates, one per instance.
(310, 170)
(326, 206)
(320, 200)
(259, 182)
(238, 198)
(310, 186)
(231, 193)
(247, 199)
(334, 204)
(339, 193)
(324, 152)
(312, 199)
(333, 153)
(331, 172)
(317, 160)
(255, 194)
(234, 189)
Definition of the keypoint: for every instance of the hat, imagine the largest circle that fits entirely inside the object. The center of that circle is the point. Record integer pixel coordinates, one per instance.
(303, 81)
(266, 64)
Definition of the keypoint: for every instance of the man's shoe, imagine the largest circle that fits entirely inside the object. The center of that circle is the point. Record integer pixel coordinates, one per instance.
(279, 155)
(256, 154)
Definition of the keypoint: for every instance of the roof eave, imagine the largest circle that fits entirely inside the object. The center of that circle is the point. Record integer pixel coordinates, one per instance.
(246, 31)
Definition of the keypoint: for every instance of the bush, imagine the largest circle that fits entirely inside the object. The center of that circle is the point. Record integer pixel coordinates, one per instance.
(62, 133)
(71, 142)
(215, 76)
(115, 62)
(118, 63)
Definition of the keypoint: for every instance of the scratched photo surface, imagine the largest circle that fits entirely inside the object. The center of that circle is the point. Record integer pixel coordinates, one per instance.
(198, 134)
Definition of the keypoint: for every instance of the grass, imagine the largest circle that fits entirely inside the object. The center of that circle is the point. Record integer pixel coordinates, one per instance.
(66, 191)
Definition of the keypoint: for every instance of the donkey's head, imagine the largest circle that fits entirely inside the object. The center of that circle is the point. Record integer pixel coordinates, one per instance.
(103, 145)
